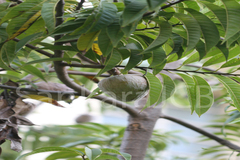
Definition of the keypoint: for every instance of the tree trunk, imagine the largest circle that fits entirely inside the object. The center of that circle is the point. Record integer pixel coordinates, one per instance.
(139, 131)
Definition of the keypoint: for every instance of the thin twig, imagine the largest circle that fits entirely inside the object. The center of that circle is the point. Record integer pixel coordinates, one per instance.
(35, 48)
(155, 27)
(86, 59)
(171, 4)
(203, 132)
(78, 73)
(144, 68)
(164, 7)
(199, 72)
(80, 4)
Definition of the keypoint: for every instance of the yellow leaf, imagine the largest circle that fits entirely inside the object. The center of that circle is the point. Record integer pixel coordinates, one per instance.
(43, 99)
(95, 47)
(86, 40)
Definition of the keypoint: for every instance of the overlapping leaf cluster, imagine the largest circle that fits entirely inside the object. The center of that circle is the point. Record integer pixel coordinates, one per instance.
(134, 31)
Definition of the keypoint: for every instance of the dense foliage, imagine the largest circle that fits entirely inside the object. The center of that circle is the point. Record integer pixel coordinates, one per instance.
(201, 36)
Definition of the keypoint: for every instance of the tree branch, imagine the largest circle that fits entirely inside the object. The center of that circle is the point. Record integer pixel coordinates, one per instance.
(35, 48)
(128, 108)
(32, 90)
(201, 131)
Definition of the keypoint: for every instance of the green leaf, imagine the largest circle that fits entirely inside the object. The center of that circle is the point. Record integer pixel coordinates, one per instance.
(4, 50)
(86, 140)
(201, 48)
(23, 8)
(3, 33)
(9, 76)
(204, 95)
(85, 41)
(107, 13)
(208, 28)
(32, 70)
(219, 12)
(168, 88)
(153, 4)
(94, 93)
(130, 28)
(48, 14)
(115, 33)
(177, 43)
(113, 59)
(51, 60)
(23, 16)
(105, 43)
(193, 30)
(85, 27)
(8, 52)
(134, 60)
(233, 39)
(232, 88)
(233, 14)
(92, 153)
(235, 121)
(26, 40)
(164, 33)
(221, 57)
(192, 5)
(159, 68)
(62, 154)
(125, 53)
(126, 156)
(68, 26)
(134, 10)
(48, 149)
(193, 58)
(104, 157)
(231, 63)
(4, 6)
(155, 89)
(191, 90)
(37, 26)
(158, 56)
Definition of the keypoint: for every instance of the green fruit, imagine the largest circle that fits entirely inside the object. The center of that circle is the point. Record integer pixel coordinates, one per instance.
(124, 87)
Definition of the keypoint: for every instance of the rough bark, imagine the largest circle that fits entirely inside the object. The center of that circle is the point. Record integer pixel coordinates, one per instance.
(139, 131)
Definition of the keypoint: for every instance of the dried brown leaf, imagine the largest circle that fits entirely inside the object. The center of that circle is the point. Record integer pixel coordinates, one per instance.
(3, 103)
(6, 112)
(23, 108)
(21, 120)
(15, 140)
